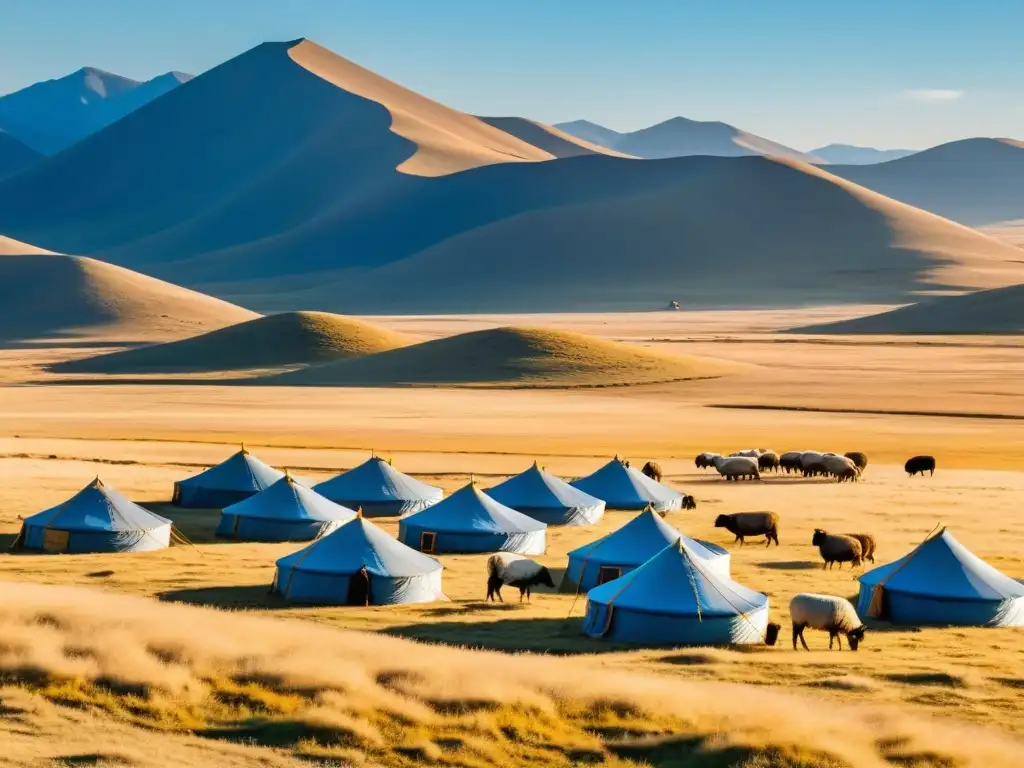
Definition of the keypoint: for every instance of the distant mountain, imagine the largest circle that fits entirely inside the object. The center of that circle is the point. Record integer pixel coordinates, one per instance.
(54, 114)
(292, 178)
(848, 154)
(682, 137)
(974, 181)
(14, 155)
(592, 132)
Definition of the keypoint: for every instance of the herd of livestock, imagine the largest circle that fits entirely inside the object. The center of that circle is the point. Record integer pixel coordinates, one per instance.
(749, 463)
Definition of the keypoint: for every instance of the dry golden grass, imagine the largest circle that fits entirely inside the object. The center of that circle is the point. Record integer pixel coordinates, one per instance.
(324, 693)
(512, 356)
(275, 341)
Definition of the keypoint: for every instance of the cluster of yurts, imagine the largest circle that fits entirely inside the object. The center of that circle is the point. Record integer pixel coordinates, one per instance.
(646, 582)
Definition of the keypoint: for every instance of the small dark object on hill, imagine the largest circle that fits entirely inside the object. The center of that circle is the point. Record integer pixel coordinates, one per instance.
(858, 458)
(653, 470)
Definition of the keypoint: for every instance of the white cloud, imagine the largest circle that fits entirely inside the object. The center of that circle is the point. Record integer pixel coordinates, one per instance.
(933, 95)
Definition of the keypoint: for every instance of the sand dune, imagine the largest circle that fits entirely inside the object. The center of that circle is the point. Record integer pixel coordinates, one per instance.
(592, 132)
(1000, 310)
(743, 231)
(274, 341)
(680, 137)
(49, 295)
(974, 181)
(511, 356)
(15, 156)
(848, 154)
(9, 247)
(548, 138)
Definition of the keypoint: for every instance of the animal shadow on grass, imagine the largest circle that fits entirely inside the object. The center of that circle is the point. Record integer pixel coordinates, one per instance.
(554, 636)
(256, 596)
(790, 565)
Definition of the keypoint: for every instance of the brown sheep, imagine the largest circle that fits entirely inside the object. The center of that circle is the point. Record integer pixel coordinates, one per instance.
(653, 470)
(859, 459)
(867, 545)
(768, 461)
(837, 548)
(743, 524)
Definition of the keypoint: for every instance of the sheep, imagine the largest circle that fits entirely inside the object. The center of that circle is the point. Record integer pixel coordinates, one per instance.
(837, 548)
(859, 459)
(705, 460)
(689, 502)
(834, 615)
(750, 453)
(737, 467)
(743, 524)
(920, 464)
(840, 467)
(790, 461)
(769, 460)
(867, 545)
(516, 571)
(810, 462)
(653, 470)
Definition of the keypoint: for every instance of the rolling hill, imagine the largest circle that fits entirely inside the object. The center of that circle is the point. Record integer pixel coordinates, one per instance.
(289, 338)
(592, 132)
(549, 138)
(996, 311)
(45, 296)
(54, 114)
(15, 156)
(511, 356)
(848, 154)
(974, 181)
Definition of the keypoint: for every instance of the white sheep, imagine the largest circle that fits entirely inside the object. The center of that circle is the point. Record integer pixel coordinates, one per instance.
(840, 467)
(737, 467)
(827, 613)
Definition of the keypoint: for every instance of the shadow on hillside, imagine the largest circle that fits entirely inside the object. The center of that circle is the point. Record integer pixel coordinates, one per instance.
(70, 344)
(790, 565)
(252, 596)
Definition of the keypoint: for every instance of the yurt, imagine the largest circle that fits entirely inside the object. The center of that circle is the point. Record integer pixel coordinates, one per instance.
(625, 487)
(941, 582)
(358, 564)
(471, 521)
(233, 480)
(674, 599)
(542, 496)
(631, 546)
(379, 490)
(286, 511)
(96, 519)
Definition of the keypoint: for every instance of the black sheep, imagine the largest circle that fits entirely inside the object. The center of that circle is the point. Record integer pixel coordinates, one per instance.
(920, 464)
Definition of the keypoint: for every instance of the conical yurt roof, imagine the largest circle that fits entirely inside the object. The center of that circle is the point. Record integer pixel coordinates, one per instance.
(471, 510)
(239, 472)
(287, 499)
(616, 484)
(538, 488)
(943, 568)
(358, 543)
(375, 480)
(98, 507)
(642, 538)
(677, 582)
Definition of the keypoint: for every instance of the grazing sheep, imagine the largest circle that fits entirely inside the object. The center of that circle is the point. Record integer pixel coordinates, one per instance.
(750, 453)
(790, 461)
(769, 460)
(867, 545)
(743, 524)
(814, 467)
(859, 459)
(737, 467)
(828, 614)
(516, 571)
(920, 464)
(837, 548)
(705, 460)
(840, 467)
(810, 461)
(689, 502)
(653, 470)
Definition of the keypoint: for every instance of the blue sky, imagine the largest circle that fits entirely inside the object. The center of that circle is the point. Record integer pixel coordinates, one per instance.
(891, 74)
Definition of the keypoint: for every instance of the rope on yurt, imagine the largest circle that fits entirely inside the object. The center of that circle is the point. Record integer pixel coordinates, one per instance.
(876, 608)
(583, 571)
(291, 573)
(627, 580)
